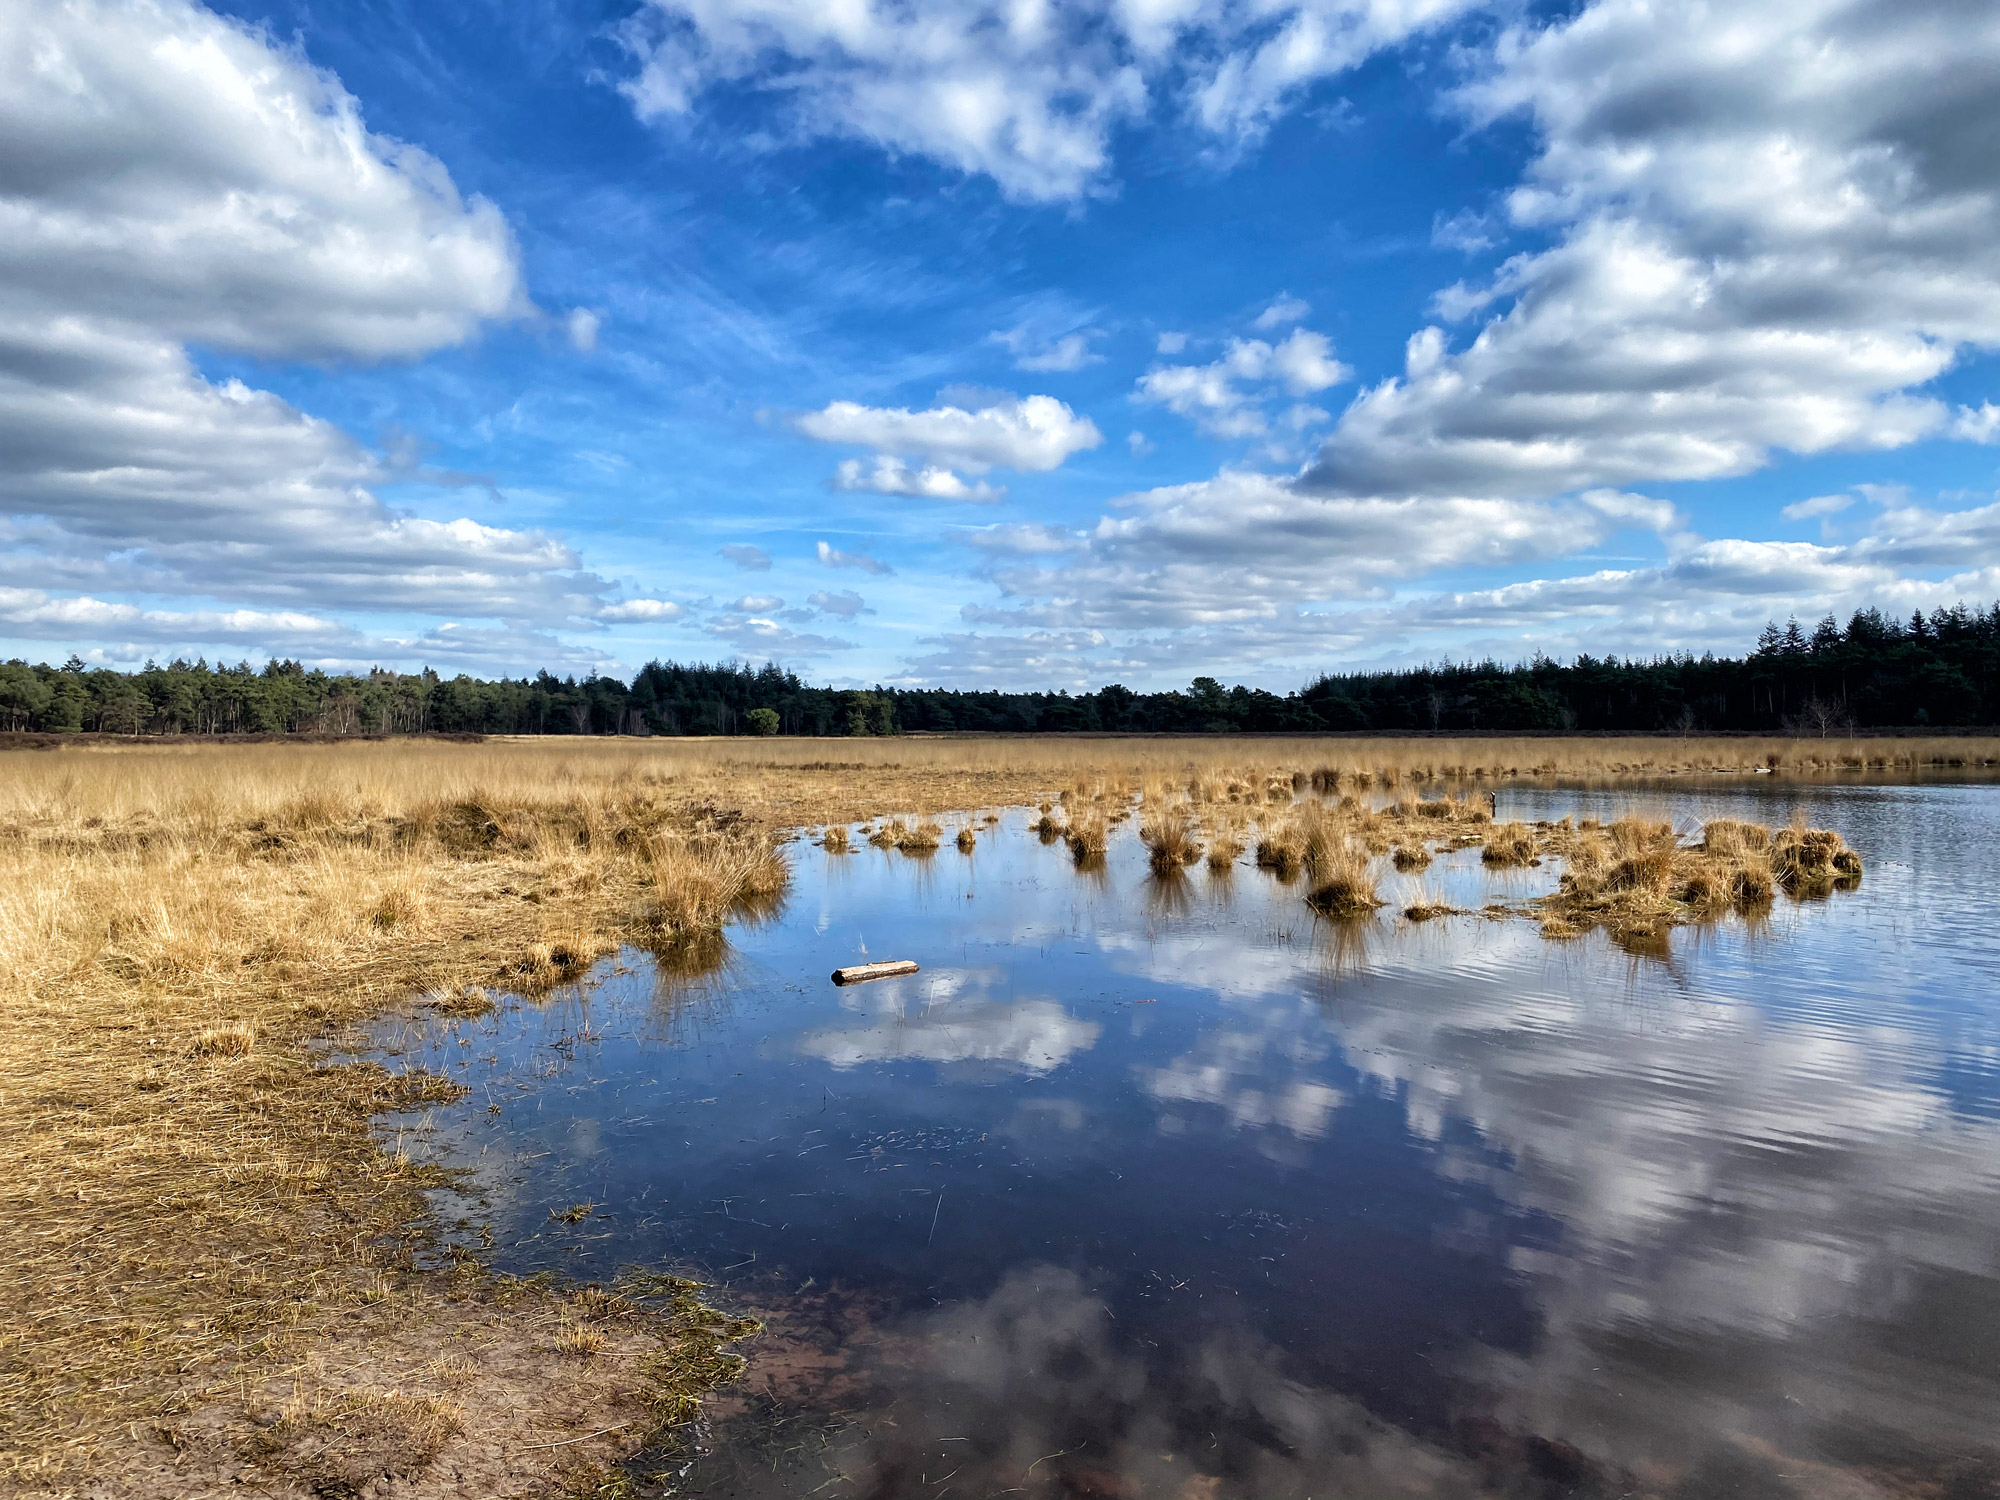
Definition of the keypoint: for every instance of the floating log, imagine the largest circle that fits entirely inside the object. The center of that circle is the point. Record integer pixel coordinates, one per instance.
(858, 973)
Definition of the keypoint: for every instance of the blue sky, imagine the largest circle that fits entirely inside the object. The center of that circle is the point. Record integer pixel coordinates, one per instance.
(981, 344)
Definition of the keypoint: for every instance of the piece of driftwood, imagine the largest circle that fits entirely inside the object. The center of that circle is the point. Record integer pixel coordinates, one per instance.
(857, 973)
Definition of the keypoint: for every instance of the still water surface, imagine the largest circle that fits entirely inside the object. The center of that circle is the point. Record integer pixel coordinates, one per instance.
(1151, 1188)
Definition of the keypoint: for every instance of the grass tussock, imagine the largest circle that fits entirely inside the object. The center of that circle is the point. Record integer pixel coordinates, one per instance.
(1509, 844)
(1224, 849)
(1337, 865)
(967, 840)
(1088, 835)
(1168, 831)
(834, 839)
(1637, 877)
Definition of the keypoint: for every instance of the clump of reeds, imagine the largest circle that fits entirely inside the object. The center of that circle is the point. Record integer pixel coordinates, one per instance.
(1088, 836)
(1337, 864)
(1804, 858)
(1048, 828)
(1224, 849)
(1411, 857)
(921, 838)
(1509, 844)
(1168, 832)
(834, 839)
(1428, 908)
(967, 839)
(694, 884)
(1281, 847)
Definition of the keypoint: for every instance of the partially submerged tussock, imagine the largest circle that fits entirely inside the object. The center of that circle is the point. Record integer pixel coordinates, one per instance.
(1509, 844)
(1637, 877)
(1168, 830)
(1336, 862)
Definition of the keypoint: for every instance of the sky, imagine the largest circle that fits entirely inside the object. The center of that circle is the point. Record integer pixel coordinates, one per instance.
(990, 343)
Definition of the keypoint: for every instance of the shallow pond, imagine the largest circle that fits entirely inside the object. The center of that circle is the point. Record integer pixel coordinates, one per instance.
(1148, 1188)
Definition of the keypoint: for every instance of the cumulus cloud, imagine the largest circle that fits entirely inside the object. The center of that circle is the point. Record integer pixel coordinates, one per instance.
(582, 326)
(886, 474)
(1768, 234)
(758, 604)
(35, 614)
(642, 609)
(832, 557)
(1028, 95)
(845, 604)
(1039, 350)
(747, 558)
(1246, 545)
(1285, 310)
(1220, 397)
(759, 635)
(1031, 434)
(1818, 505)
(173, 178)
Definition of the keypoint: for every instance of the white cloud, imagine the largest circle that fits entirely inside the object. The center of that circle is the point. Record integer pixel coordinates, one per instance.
(174, 178)
(1033, 434)
(1771, 228)
(1286, 309)
(844, 605)
(582, 326)
(34, 613)
(1818, 505)
(1246, 546)
(747, 558)
(833, 557)
(642, 609)
(1039, 351)
(758, 604)
(1171, 343)
(1027, 94)
(886, 474)
(759, 635)
(1214, 395)
(1980, 424)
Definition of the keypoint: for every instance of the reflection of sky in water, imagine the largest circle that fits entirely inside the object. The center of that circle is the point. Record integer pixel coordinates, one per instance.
(1204, 1198)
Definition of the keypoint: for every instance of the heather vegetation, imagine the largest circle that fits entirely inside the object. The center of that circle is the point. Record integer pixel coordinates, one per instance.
(1875, 671)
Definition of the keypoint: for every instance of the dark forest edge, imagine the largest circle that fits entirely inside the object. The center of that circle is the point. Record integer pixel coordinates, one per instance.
(1875, 672)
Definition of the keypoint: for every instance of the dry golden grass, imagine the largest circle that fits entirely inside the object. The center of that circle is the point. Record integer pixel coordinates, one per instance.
(1336, 860)
(1509, 844)
(193, 1192)
(194, 1197)
(1168, 830)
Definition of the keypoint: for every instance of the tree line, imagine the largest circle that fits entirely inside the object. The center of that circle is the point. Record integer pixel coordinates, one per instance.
(1875, 671)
